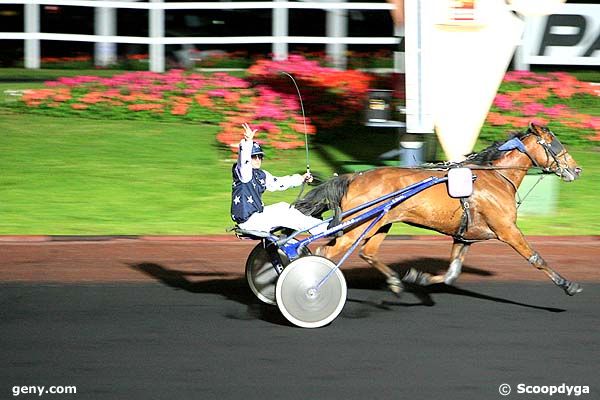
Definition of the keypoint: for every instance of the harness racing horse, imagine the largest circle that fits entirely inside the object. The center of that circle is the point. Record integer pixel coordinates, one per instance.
(489, 213)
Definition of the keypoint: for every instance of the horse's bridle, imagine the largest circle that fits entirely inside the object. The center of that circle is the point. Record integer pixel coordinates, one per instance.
(554, 150)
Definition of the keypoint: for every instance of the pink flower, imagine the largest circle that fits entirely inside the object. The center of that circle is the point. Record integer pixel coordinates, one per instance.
(555, 110)
(269, 111)
(532, 109)
(503, 102)
(594, 123)
(217, 93)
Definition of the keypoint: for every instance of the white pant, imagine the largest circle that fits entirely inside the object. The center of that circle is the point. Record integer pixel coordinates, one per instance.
(282, 214)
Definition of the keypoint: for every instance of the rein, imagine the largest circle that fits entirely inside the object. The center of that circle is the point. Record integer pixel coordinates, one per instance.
(521, 200)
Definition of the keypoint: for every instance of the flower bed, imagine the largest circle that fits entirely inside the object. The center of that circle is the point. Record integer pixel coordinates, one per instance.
(268, 100)
(529, 97)
(331, 97)
(265, 100)
(140, 95)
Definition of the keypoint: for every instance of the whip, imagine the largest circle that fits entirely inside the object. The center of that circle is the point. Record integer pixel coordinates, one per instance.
(303, 119)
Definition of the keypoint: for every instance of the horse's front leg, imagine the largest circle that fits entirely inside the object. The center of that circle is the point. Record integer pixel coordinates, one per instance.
(457, 258)
(515, 239)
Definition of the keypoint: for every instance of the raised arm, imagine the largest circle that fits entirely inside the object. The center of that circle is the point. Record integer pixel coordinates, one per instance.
(244, 166)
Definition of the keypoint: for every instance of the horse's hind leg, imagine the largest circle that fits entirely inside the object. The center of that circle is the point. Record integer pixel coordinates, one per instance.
(457, 257)
(369, 253)
(515, 239)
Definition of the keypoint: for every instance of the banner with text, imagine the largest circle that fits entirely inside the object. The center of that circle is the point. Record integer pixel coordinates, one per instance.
(570, 36)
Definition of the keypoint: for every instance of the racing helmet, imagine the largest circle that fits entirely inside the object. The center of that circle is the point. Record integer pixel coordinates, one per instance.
(257, 150)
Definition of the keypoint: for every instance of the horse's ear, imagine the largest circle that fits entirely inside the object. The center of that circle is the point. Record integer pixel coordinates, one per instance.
(538, 129)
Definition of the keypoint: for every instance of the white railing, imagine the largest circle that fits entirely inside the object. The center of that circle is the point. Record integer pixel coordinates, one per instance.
(336, 41)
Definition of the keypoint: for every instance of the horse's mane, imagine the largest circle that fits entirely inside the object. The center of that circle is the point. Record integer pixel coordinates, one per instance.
(326, 196)
(491, 153)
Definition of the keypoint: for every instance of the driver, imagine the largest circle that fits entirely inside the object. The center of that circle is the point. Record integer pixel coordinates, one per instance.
(249, 183)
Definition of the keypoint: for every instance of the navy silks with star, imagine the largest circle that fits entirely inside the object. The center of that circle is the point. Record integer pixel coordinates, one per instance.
(250, 183)
(247, 196)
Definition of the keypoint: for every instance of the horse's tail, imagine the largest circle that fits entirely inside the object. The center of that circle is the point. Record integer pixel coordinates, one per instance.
(326, 196)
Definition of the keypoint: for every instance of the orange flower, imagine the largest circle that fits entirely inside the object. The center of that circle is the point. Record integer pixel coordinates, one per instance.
(497, 119)
(144, 107)
(62, 97)
(204, 100)
(37, 94)
(179, 109)
(287, 145)
(180, 99)
(232, 97)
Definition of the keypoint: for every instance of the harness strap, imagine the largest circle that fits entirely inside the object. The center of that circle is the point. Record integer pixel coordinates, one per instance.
(466, 218)
(508, 180)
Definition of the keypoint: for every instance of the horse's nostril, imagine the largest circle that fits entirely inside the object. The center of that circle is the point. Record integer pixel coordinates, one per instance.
(578, 171)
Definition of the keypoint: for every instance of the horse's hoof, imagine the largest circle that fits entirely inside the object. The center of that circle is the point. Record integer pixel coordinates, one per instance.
(449, 280)
(572, 288)
(417, 277)
(395, 285)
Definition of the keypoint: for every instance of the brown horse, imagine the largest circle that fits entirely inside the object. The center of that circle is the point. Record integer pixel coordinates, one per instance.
(489, 213)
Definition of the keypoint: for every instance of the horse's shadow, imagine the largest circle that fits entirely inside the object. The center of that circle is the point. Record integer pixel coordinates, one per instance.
(235, 288)
(368, 278)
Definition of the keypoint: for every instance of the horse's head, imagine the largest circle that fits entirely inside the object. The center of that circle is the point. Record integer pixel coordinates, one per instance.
(549, 153)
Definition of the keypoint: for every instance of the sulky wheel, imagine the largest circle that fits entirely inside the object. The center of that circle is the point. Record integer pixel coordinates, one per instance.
(261, 275)
(300, 300)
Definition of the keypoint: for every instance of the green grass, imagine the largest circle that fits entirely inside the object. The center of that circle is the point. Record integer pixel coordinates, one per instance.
(22, 74)
(578, 210)
(68, 176)
(75, 176)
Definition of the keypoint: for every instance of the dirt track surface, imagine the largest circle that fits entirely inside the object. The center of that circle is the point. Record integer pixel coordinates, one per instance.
(171, 319)
(204, 258)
